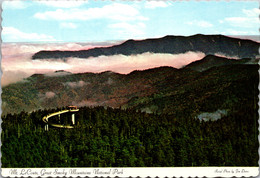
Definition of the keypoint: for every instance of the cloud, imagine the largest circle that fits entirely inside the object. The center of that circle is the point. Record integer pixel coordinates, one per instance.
(46, 95)
(17, 63)
(85, 103)
(12, 76)
(200, 23)
(63, 4)
(110, 81)
(251, 12)
(249, 20)
(57, 73)
(115, 11)
(237, 32)
(213, 116)
(245, 22)
(156, 4)
(68, 25)
(221, 21)
(12, 34)
(126, 64)
(78, 84)
(128, 30)
(14, 51)
(15, 4)
(226, 56)
(92, 103)
(49, 94)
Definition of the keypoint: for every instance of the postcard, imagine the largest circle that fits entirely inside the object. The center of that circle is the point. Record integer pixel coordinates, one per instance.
(129, 88)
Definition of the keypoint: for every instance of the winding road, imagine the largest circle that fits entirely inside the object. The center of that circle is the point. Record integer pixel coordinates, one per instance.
(46, 118)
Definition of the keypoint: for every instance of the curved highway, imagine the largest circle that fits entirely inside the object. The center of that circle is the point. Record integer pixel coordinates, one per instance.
(46, 118)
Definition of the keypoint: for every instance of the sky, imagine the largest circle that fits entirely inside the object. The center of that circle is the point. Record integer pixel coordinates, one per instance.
(100, 21)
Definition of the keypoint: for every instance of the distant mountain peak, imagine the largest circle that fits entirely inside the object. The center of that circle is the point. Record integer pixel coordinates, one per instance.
(210, 61)
(208, 44)
(36, 75)
(59, 71)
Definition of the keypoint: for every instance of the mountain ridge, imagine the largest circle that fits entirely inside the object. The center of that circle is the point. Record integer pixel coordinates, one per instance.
(208, 44)
(212, 61)
(161, 90)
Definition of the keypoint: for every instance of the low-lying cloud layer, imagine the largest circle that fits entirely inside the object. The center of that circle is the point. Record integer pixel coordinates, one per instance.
(226, 56)
(76, 84)
(212, 116)
(125, 64)
(46, 95)
(85, 103)
(17, 63)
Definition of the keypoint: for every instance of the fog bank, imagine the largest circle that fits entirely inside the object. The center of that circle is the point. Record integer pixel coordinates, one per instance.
(17, 63)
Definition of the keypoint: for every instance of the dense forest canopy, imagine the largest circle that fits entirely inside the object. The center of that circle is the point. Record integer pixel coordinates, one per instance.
(107, 137)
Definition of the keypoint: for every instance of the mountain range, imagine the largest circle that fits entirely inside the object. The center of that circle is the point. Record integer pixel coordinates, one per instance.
(202, 114)
(208, 44)
(210, 84)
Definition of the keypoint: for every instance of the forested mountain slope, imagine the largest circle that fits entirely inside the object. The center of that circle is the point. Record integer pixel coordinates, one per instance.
(200, 86)
(126, 138)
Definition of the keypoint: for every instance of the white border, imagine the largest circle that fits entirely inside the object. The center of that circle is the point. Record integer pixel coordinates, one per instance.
(129, 172)
(133, 172)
